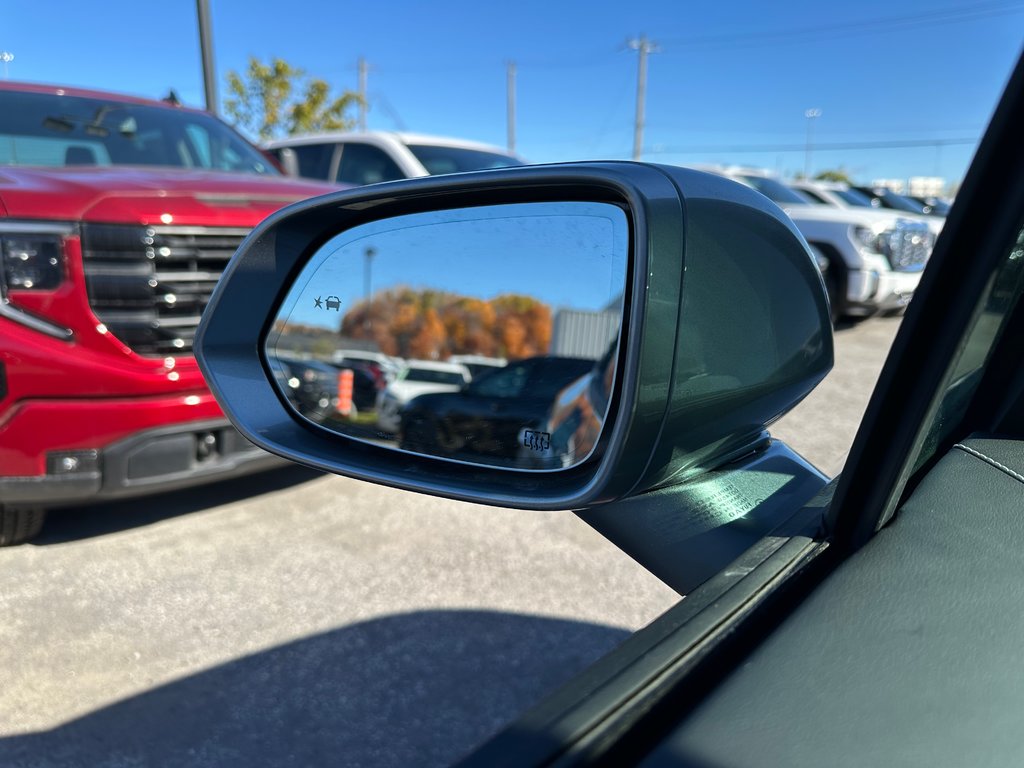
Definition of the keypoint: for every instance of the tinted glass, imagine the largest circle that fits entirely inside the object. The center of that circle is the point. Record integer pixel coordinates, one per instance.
(314, 160)
(812, 197)
(853, 197)
(533, 290)
(432, 376)
(774, 190)
(438, 159)
(366, 164)
(48, 130)
(892, 200)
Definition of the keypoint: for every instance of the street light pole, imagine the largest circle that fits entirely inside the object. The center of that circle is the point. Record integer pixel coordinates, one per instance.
(642, 46)
(206, 51)
(368, 255)
(510, 95)
(811, 115)
(6, 57)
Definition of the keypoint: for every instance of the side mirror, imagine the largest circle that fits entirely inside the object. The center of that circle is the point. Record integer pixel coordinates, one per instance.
(652, 321)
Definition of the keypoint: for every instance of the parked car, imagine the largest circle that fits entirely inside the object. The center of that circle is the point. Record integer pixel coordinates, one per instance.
(487, 417)
(418, 377)
(374, 156)
(874, 264)
(117, 216)
(381, 365)
(313, 386)
(368, 381)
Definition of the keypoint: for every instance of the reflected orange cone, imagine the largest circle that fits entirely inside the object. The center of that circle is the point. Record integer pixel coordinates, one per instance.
(345, 383)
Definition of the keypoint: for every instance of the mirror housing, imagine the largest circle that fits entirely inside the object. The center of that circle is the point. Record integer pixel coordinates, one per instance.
(725, 328)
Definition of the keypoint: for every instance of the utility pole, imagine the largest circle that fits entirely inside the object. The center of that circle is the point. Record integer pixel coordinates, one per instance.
(811, 115)
(206, 49)
(642, 46)
(363, 104)
(6, 57)
(510, 89)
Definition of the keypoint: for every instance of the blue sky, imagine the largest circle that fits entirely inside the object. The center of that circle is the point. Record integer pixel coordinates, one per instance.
(730, 77)
(566, 255)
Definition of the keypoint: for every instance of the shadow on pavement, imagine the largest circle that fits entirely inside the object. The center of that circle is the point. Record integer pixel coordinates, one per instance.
(99, 519)
(413, 689)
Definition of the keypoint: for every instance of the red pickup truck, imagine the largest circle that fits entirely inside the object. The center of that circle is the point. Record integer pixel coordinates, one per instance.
(117, 216)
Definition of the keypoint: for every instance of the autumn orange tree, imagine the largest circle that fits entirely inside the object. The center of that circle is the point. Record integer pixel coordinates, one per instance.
(433, 325)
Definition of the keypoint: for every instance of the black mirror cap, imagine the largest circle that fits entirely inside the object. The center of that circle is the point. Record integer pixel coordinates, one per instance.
(709, 353)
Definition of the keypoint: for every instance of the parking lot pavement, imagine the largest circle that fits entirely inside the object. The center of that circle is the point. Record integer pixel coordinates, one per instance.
(295, 618)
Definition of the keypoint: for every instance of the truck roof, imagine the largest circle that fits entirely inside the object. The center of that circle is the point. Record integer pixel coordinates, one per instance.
(63, 90)
(402, 137)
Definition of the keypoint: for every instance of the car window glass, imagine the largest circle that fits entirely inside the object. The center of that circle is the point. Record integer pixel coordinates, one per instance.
(965, 372)
(432, 376)
(440, 159)
(775, 191)
(314, 159)
(366, 164)
(199, 143)
(812, 197)
(507, 382)
(47, 130)
(853, 197)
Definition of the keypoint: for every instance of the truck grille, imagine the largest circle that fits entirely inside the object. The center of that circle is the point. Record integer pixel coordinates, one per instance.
(149, 285)
(909, 245)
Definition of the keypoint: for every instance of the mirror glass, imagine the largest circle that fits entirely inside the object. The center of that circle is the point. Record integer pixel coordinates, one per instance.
(488, 335)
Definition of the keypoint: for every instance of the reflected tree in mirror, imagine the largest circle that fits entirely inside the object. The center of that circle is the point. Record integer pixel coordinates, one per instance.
(485, 335)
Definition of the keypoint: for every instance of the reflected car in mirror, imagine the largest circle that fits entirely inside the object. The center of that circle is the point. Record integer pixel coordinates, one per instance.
(495, 416)
(417, 378)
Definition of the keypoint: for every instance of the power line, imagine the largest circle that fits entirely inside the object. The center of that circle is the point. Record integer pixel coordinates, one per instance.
(851, 145)
(850, 28)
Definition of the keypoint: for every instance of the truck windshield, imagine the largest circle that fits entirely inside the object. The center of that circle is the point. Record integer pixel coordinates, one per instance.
(439, 159)
(42, 129)
(432, 376)
(853, 197)
(775, 191)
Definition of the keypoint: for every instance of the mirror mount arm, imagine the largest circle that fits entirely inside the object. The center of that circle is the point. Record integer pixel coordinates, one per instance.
(685, 534)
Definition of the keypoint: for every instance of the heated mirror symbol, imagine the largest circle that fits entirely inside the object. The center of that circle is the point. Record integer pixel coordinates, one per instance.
(465, 334)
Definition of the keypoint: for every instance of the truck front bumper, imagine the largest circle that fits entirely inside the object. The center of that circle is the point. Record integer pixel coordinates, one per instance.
(870, 291)
(151, 462)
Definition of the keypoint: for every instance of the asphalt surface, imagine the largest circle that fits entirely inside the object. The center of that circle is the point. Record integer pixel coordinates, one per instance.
(299, 619)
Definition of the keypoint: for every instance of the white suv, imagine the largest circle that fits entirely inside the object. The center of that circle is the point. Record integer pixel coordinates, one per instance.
(374, 156)
(872, 263)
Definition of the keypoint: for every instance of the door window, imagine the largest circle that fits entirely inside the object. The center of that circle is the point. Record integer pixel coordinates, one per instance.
(366, 164)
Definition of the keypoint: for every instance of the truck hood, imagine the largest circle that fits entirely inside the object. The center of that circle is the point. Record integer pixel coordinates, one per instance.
(865, 217)
(148, 195)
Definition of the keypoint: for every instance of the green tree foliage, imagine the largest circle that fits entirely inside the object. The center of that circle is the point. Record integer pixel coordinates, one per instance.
(275, 99)
(838, 174)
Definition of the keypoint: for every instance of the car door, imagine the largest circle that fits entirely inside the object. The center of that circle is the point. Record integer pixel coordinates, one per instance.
(880, 624)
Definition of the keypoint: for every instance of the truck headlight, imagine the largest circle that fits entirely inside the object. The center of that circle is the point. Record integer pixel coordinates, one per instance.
(32, 262)
(869, 238)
